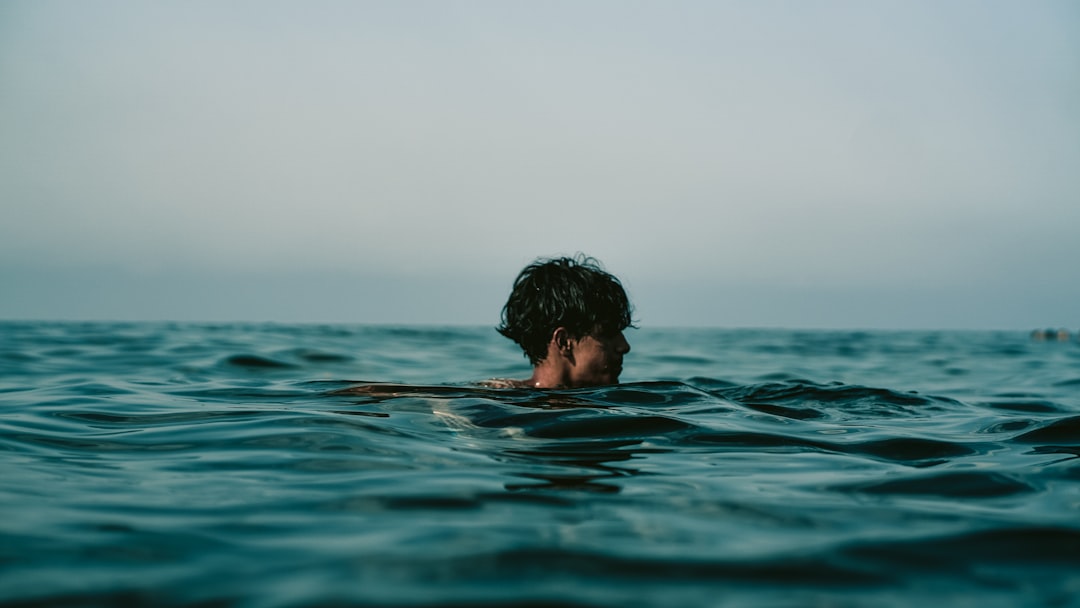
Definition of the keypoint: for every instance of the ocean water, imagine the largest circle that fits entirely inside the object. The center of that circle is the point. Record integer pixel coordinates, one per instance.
(221, 465)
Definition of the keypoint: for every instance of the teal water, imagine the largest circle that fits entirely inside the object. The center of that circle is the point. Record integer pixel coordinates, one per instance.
(219, 465)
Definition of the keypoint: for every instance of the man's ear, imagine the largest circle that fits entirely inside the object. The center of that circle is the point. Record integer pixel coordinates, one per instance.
(562, 340)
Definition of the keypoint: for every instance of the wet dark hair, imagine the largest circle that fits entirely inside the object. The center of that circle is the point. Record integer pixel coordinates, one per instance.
(575, 293)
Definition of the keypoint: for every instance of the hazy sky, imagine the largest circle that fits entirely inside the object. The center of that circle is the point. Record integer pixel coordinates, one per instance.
(748, 163)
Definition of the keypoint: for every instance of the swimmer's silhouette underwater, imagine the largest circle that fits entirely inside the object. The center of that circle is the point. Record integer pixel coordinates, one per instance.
(568, 315)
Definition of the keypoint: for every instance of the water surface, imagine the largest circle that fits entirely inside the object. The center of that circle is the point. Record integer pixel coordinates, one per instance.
(221, 465)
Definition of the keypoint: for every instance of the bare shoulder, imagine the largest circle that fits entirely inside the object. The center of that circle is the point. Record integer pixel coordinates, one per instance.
(504, 383)
(386, 389)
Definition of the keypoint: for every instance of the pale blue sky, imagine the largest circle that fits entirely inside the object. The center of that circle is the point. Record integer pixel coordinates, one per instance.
(795, 164)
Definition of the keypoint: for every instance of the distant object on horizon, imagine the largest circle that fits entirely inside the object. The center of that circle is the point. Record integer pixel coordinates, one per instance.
(1061, 335)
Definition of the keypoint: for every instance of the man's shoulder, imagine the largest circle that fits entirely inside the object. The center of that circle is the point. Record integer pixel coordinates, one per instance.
(503, 383)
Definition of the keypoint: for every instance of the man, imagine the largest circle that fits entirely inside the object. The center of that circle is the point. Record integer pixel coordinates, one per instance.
(568, 315)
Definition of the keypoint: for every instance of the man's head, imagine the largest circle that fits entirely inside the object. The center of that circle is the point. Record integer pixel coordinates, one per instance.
(569, 299)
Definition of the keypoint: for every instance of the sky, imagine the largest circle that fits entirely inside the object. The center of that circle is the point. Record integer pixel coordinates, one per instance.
(829, 164)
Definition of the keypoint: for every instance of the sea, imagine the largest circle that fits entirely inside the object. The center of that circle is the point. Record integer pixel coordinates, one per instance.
(295, 465)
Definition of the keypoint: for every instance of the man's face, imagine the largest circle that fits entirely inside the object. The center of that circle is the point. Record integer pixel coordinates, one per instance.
(598, 359)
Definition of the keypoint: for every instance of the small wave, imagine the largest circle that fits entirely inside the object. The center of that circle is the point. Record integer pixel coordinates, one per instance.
(803, 399)
(1028, 547)
(1025, 405)
(947, 485)
(315, 356)
(912, 450)
(1065, 431)
(256, 362)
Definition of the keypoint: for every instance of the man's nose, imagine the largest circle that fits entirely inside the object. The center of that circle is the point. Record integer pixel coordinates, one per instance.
(623, 346)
